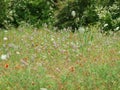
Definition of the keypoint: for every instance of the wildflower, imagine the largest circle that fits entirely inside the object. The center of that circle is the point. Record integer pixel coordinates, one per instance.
(5, 31)
(6, 65)
(51, 8)
(72, 69)
(18, 67)
(22, 39)
(119, 52)
(105, 25)
(45, 25)
(5, 38)
(58, 69)
(25, 59)
(55, 44)
(31, 38)
(17, 53)
(33, 83)
(73, 13)
(39, 64)
(117, 28)
(52, 39)
(78, 19)
(24, 62)
(3, 57)
(81, 30)
(43, 88)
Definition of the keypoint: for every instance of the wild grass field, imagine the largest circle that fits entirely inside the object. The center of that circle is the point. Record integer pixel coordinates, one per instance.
(47, 60)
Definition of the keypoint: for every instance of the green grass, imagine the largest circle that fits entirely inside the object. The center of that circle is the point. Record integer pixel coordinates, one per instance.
(59, 60)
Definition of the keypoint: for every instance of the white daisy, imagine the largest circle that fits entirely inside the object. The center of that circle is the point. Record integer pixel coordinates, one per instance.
(5, 38)
(4, 57)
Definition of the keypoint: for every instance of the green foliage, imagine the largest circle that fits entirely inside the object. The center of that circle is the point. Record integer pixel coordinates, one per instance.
(2, 12)
(34, 12)
(109, 17)
(105, 12)
(62, 13)
(84, 11)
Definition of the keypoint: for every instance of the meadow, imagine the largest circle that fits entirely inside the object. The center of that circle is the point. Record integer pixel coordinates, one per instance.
(43, 59)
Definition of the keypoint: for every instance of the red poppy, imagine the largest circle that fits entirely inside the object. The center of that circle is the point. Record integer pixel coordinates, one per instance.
(6, 65)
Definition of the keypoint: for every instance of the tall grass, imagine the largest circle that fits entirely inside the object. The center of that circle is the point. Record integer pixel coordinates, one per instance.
(48, 60)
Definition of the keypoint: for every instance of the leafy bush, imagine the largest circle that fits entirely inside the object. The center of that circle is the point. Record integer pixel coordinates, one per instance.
(34, 12)
(61, 13)
(84, 14)
(109, 17)
(2, 12)
(106, 12)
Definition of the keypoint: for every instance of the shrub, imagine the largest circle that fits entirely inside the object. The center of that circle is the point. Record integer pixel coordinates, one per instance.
(34, 12)
(105, 12)
(2, 12)
(110, 17)
(85, 14)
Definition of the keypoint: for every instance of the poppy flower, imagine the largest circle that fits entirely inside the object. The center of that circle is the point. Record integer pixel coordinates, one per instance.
(6, 65)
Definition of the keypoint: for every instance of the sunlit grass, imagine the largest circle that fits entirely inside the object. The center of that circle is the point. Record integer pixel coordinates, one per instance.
(48, 60)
